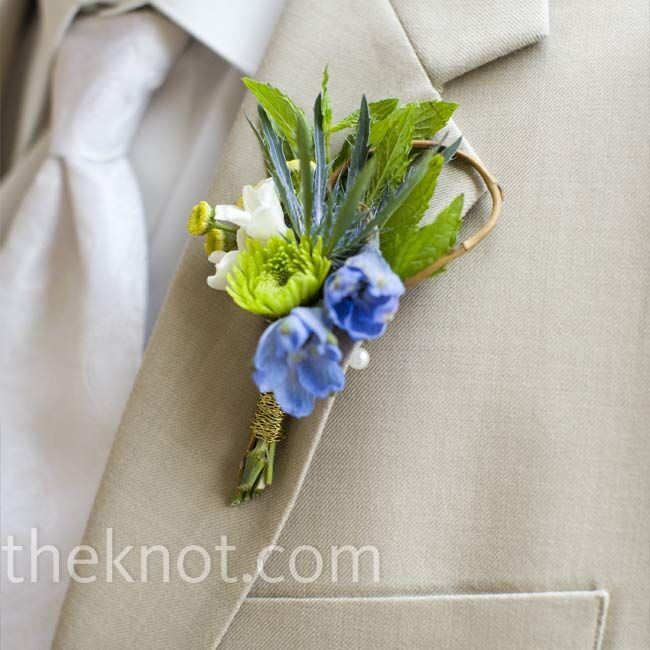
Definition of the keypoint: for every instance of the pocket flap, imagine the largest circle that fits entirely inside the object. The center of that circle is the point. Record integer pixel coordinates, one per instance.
(565, 620)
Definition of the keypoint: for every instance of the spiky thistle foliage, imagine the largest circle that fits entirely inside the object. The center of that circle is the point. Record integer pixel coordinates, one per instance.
(377, 187)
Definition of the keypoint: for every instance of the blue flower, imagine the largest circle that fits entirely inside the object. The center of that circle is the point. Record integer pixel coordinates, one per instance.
(298, 360)
(362, 296)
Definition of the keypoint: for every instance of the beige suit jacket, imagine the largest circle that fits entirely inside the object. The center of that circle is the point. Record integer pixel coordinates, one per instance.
(495, 452)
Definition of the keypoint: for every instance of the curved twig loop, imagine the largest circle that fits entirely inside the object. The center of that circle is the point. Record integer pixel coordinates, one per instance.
(497, 202)
(464, 247)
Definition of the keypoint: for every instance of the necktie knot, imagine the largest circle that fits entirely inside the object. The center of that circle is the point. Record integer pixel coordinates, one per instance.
(103, 78)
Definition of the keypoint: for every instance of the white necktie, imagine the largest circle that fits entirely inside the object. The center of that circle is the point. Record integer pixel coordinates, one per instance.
(73, 285)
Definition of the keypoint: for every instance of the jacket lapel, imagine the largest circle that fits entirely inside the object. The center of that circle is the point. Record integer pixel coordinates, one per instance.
(460, 36)
(367, 52)
(174, 463)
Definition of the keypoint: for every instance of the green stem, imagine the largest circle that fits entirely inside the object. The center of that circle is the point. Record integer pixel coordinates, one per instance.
(257, 473)
(225, 226)
(268, 475)
(255, 462)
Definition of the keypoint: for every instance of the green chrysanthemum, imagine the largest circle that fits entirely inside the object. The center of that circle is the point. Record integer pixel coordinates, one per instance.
(272, 279)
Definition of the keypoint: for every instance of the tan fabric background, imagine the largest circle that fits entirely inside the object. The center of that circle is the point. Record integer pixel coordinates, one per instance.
(569, 298)
(555, 621)
(499, 440)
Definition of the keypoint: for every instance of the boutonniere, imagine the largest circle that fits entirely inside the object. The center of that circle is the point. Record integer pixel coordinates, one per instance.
(326, 246)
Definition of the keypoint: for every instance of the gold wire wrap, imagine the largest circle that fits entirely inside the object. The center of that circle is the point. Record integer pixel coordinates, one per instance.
(267, 421)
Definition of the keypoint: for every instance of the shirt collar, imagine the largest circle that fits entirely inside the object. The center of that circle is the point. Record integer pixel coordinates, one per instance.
(238, 31)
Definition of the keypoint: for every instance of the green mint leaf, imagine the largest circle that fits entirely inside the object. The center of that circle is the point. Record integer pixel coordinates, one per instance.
(378, 130)
(431, 117)
(282, 111)
(392, 153)
(344, 154)
(378, 111)
(411, 251)
(382, 108)
(406, 207)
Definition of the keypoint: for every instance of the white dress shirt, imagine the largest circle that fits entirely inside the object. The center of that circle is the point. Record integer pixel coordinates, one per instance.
(48, 478)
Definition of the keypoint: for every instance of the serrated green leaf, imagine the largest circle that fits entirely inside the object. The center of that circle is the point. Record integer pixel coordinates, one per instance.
(413, 250)
(407, 206)
(282, 111)
(378, 111)
(343, 156)
(388, 208)
(431, 116)
(392, 153)
(391, 247)
(378, 130)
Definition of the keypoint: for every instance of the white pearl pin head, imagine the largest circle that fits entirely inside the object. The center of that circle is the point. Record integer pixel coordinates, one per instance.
(360, 359)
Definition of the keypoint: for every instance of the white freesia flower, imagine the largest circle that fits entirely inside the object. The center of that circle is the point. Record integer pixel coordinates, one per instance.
(224, 263)
(261, 218)
(263, 204)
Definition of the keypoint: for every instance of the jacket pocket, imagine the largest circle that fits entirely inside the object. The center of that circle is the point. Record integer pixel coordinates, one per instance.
(563, 620)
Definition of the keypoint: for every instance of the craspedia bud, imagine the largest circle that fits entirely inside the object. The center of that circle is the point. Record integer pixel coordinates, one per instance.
(217, 239)
(294, 166)
(294, 170)
(201, 219)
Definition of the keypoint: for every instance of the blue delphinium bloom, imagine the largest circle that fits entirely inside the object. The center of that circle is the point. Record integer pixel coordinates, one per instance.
(298, 360)
(362, 296)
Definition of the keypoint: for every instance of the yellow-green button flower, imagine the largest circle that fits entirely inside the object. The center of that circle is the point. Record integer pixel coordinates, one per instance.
(219, 239)
(201, 219)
